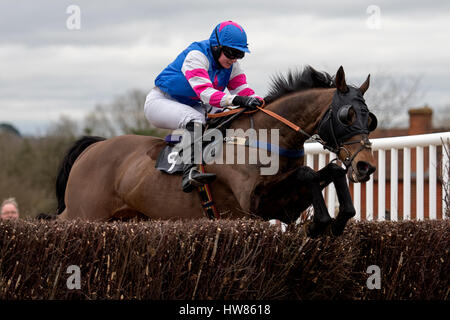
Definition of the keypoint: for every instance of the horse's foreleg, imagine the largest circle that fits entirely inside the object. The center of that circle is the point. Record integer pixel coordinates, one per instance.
(333, 172)
(321, 218)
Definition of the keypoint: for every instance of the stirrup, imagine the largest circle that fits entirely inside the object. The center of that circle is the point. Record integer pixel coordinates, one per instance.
(201, 178)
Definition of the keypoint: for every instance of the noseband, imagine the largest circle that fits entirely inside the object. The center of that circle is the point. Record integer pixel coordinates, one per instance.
(364, 144)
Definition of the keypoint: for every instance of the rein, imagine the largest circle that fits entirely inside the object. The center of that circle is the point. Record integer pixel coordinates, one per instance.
(268, 112)
(365, 143)
(255, 143)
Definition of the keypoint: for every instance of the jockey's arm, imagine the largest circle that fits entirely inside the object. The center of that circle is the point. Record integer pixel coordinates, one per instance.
(238, 83)
(195, 69)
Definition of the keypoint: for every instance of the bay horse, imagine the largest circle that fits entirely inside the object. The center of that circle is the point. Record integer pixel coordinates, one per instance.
(106, 179)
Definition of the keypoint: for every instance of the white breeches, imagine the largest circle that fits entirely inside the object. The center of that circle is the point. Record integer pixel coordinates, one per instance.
(163, 111)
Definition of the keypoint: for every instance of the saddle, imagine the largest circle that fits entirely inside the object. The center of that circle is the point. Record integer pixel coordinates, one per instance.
(169, 159)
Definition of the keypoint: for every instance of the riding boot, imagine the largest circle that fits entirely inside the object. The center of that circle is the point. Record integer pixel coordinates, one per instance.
(192, 176)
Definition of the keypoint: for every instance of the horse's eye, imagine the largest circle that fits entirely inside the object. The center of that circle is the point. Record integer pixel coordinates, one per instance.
(346, 114)
(372, 122)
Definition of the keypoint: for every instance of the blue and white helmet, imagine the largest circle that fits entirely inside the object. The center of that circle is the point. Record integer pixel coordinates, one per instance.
(229, 34)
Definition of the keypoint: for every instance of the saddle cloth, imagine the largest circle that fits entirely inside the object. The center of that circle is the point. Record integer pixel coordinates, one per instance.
(169, 159)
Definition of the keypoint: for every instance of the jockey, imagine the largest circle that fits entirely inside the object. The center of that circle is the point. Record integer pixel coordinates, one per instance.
(194, 84)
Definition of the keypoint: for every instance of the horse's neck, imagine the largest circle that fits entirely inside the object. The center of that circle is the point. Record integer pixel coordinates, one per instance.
(304, 109)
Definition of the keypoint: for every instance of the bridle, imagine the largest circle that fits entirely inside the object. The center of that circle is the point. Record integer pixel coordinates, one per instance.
(364, 144)
(348, 161)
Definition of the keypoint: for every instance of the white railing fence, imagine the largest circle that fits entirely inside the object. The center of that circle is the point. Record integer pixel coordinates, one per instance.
(401, 191)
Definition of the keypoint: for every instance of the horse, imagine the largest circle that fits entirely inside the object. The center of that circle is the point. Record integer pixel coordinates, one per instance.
(108, 179)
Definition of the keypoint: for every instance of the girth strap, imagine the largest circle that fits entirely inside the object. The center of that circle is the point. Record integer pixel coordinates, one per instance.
(206, 199)
(266, 146)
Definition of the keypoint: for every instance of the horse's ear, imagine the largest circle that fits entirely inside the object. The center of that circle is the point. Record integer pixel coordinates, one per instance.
(340, 80)
(365, 85)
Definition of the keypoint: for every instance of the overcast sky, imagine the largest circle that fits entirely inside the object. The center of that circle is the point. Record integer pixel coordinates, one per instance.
(48, 69)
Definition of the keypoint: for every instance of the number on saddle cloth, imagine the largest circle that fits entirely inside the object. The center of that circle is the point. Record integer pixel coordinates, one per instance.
(169, 159)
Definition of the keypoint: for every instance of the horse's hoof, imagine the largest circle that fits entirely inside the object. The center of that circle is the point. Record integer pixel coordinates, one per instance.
(313, 230)
(336, 230)
(310, 232)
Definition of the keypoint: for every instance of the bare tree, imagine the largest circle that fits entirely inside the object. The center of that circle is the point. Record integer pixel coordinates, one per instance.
(124, 115)
(443, 119)
(64, 127)
(390, 97)
(131, 105)
(99, 123)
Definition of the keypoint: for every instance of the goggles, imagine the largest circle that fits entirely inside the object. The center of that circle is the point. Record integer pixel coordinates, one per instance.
(232, 53)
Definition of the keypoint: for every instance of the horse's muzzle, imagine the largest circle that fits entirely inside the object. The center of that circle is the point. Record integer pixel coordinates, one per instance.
(361, 173)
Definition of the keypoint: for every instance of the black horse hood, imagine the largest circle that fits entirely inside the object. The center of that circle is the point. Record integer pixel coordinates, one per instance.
(333, 128)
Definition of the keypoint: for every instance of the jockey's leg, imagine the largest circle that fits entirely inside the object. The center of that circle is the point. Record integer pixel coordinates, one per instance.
(192, 176)
(165, 112)
(162, 111)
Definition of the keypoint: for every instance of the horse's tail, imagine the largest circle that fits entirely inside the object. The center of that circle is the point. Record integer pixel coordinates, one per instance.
(61, 181)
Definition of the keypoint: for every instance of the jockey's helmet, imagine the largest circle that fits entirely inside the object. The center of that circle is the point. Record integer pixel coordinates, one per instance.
(229, 34)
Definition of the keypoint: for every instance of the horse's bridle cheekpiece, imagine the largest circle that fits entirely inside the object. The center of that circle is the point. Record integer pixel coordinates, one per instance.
(334, 129)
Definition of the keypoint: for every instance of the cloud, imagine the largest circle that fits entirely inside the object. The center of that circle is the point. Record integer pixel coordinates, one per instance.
(48, 69)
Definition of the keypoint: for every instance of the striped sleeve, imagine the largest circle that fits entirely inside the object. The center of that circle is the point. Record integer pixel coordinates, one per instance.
(238, 83)
(195, 69)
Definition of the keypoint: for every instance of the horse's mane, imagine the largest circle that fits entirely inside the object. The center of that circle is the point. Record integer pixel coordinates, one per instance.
(298, 80)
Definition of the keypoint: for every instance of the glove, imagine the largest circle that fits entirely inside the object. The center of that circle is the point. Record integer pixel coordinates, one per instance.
(247, 102)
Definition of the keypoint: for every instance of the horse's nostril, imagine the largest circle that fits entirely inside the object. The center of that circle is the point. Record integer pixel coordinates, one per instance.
(364, 168)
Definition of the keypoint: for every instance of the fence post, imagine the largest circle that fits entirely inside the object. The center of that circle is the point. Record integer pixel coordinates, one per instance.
(394, 185)
(381, 184)
(432, 199)
(369, 199)
(445, 177)
(406, 183)
(357, 200)
(419, 183)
